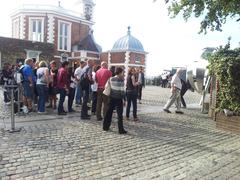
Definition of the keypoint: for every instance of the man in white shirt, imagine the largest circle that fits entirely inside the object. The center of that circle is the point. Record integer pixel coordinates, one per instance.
(77, 74)
(176, 87)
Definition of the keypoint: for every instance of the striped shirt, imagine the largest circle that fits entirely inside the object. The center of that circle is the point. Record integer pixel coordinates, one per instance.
(117, 87)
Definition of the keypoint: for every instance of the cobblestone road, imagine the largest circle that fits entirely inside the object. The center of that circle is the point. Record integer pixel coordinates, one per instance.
(160, 146)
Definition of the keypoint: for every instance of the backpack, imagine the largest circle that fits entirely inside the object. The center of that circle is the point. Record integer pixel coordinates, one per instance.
(85, 82)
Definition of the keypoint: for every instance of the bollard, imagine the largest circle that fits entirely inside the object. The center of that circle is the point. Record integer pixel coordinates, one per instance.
(13, 128)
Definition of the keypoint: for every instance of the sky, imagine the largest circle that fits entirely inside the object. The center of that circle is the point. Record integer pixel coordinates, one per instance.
(169, 42)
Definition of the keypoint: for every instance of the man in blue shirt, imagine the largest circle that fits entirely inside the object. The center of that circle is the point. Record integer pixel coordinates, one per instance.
(28, 78)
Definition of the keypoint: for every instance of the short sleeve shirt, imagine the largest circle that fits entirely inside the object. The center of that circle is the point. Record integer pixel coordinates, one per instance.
(27, 72)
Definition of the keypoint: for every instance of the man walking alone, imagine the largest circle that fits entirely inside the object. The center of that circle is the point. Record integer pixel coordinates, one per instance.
(176, 87)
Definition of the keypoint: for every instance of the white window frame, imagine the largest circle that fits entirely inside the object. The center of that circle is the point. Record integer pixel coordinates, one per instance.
(16, 28)
(68, 36)
(32, 51)
(30, 32)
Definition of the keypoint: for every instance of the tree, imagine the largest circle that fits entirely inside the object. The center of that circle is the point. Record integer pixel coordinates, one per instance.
(207, 52)
(214, 12)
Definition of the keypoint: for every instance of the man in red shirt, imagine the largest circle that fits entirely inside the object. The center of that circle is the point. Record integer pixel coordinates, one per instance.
(63, 86)
(102, 76)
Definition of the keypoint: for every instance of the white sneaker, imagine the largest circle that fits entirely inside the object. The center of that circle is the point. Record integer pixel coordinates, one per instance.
(25, 109)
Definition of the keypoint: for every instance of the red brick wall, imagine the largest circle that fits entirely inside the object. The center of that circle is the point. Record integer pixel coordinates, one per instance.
(76, 54)
(79, 32)
(134, 56)
(118, 57)
(104, 57)
(92, 55)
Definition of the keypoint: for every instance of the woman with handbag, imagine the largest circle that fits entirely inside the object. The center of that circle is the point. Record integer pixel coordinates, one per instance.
(132, 93)
(116, 96)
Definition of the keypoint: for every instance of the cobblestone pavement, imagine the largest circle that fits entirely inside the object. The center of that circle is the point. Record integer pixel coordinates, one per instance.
(159, 146)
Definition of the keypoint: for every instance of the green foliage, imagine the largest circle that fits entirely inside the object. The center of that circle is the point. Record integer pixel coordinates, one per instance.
(225, 65)
(208, 51)
(214, 12)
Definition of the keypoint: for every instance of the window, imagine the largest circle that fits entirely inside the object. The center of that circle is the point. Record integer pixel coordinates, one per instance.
(33, 54)
(16, 27)
(64, 36)
(36, 29)
(138, 60)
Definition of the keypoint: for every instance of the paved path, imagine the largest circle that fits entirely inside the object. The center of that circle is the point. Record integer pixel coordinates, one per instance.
(160, 146)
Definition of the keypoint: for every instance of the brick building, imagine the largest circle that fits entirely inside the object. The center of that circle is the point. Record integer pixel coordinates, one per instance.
(15, 50)
(127, 52)
(69, 31)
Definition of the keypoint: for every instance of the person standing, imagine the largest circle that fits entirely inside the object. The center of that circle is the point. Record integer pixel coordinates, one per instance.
(132, 93)
(85, 82)
(72, 89)
(53, 85)
(102, 76)
(117, 96)
(63, 86)
(176, 87)
(6, 80)
(28, 85)
(94, 88)
(141, 83)
(78, 74)
(42, 86)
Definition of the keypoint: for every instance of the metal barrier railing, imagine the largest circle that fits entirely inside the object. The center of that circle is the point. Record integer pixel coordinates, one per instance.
(13, 89)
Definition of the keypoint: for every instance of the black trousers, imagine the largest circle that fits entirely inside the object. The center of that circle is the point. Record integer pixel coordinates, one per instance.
(71, 95)
(118, 104)
(131, 99)
(183, 91)
(94, 101)
(139, 92)
(84, 111)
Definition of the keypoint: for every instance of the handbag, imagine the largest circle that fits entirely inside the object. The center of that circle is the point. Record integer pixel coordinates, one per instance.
(107, 89)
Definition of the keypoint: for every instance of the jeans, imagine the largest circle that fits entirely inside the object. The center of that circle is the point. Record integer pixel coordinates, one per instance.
(131, 99)
(42, 91)
(94, 101)
(84, 111)
(62, 93)
(27, 90)
(118, 103)
(78, 94)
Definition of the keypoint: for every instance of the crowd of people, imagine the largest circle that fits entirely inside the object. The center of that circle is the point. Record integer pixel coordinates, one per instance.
(47, 86)
(86, 84)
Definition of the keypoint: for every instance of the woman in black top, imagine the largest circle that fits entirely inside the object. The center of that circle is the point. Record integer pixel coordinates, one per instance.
(53, 85)
(132, 93)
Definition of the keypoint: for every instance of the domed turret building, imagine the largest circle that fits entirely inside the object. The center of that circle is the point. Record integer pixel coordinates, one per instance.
(127, 52)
